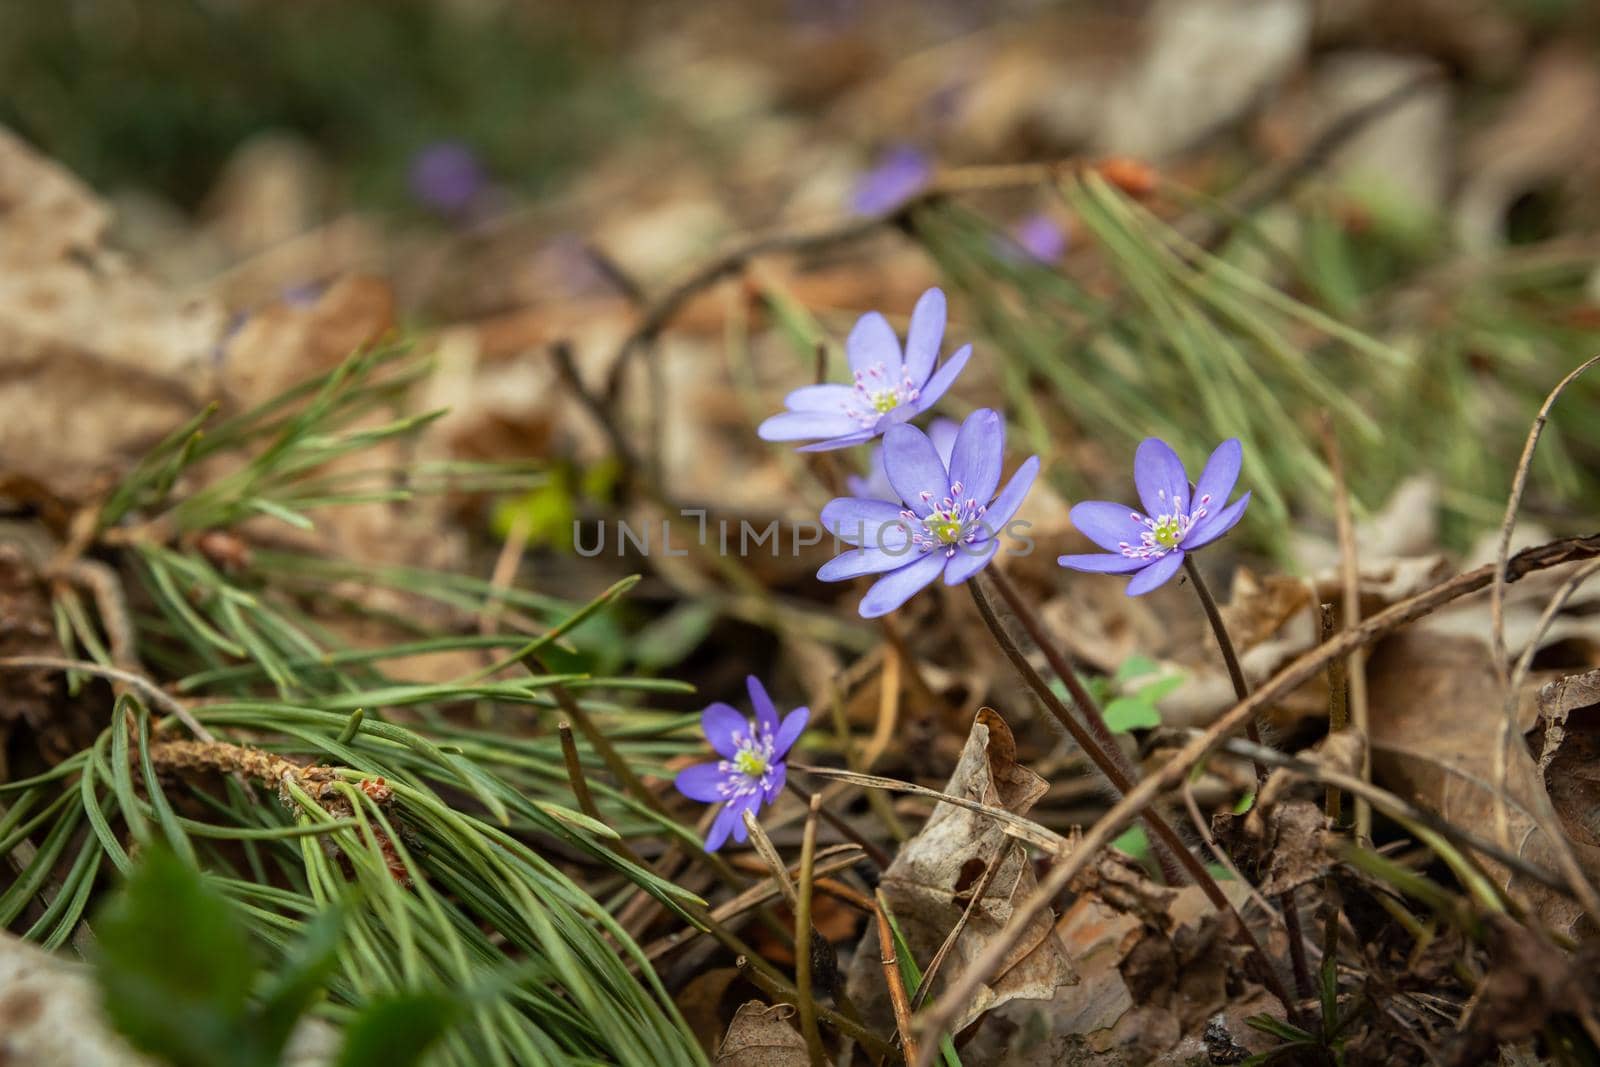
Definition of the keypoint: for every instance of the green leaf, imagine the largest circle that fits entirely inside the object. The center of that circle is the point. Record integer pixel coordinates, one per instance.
(1131, 713)
(396, 1032)
(302, 981)
(175, 966)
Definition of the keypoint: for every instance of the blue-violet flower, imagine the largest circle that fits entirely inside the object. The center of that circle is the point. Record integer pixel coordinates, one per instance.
(751, 771)
(1177, 518)
(446, 177)
(946, 521)
(875, 485)
(889, 388)
(903, 172)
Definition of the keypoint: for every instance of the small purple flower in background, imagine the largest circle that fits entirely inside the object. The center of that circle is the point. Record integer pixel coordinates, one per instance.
(446, 177)
(946, 521)
(1175, 519)
(1042, 237)
(889, 388)
(875, 486)
(751, 771)
(903, 172)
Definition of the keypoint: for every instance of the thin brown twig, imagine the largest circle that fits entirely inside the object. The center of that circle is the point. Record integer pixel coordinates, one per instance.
(1355, 665)
(1089, 708)
(804, 936)
(1295, 673)
(979, 891)
(156, 695)
(1162, 833)
(1497, 598)
(872, 848)
(896, 982)
(580, 791)
(1332, 806)
(1241, 690)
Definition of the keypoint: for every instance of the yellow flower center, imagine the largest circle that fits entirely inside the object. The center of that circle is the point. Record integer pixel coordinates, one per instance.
(750, 763)
(948, 531)
(885, 401)
(1167, 532)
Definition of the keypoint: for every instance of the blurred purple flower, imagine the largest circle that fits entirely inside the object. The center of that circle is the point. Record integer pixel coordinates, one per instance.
(875, 486)
(446, 177)
(889, 387)
(947, 519)
(1042, 237)
(903, 172)
(1153, 542)
(751, 771)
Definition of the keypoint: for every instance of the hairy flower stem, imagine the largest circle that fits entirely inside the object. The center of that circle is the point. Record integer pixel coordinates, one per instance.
(1163, 837)
(1241, 690)
(1230, 658)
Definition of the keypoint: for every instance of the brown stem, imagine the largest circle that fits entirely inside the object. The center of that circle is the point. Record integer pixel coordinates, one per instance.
(1161, 831)
(1241, 690)
(1219, 629)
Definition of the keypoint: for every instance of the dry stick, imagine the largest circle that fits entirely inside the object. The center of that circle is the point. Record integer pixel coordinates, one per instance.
(157, 696)
(580, 790)
(1355, 667)
(1497, 619)
(1241, 691)
(1088, 707)
(1295, 673)
(803, 937)
(1159, 827)
(1332, 807)
(769, 855)
(895, 981)
(876, 851)
(979, 891)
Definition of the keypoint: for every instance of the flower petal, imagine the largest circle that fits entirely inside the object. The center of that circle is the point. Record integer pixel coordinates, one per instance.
(1162, 481)
(872, 342)
(1156, 574)
(943, 432)
(925, 336)
(943, 378)
(858, 521)
(779, 778)
(701, 782)
(724, 726)
(859, 561)
(834, 443)
(1011, 497)
(979, 449)
(915, 469)
(830, 398)
(806, 425)
(722, 826)
(766, 713)
(1102, 563)
(1214, 526)
(741, 832)
(1217, 480)
(897, 587)
(969, 560)
(794, 724)
(1106, 524)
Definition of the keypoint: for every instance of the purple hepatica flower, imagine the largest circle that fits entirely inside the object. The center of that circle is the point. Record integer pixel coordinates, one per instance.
(903, 172)
(945, 521)
(751, 771)
(1176, 519)
(447, 177)
(1042, 237)
(889, 389)
(875, 486)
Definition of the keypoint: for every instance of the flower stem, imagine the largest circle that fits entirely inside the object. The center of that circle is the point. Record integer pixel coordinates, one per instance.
(1163, 837)
(1241, 689)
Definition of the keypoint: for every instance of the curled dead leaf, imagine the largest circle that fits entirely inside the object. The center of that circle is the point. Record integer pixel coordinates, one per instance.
(762, 1036)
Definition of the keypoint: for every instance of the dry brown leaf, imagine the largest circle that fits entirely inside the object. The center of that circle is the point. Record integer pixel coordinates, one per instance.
(97, 361)
(1436, 715)
(929, 883)
(760, 1036)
